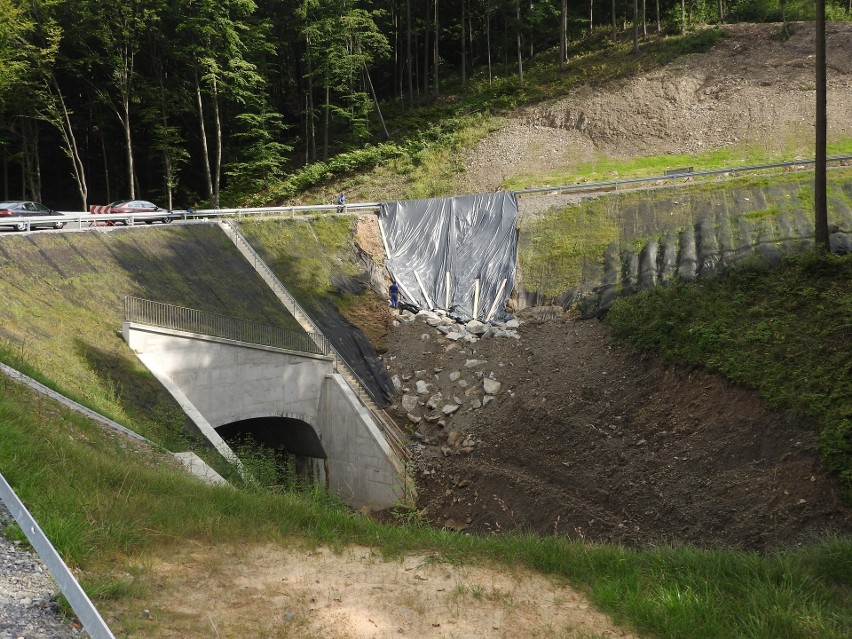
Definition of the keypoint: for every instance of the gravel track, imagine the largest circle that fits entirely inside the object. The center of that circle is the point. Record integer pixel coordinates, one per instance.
(28, 608)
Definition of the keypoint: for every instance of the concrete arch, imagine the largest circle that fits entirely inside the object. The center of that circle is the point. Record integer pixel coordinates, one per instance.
(293, 434)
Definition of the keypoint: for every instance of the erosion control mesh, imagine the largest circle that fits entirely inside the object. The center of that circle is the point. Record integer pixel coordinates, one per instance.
(457, 253)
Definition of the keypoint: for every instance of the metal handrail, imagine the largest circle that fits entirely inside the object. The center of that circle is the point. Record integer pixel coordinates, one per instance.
(590, 186)
(191, 320)
(260, 263)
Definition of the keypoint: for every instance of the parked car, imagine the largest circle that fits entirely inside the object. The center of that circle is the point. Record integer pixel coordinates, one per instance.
(15, 213)
(141, 206)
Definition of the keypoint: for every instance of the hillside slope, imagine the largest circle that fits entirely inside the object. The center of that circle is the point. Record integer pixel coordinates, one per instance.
(749, 89)
(62, 309)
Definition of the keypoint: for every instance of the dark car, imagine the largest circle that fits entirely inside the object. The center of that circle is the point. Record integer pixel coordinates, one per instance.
(16, 213)
(141, 206)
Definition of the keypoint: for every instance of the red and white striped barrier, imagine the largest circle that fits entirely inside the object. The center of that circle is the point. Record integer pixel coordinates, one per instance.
(94, 209)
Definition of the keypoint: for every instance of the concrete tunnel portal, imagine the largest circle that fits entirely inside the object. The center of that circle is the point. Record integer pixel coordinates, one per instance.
(289, 438)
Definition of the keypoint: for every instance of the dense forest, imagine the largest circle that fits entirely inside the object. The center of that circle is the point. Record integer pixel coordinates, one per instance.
(191, 102)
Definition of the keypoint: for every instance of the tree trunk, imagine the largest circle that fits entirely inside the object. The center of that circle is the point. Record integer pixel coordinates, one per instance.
(5, 174)
(659, 28)
(488, 42)
(106, 166)
(518, 38)
(310, 128)
(426, 50)
(30, 169)
(614, 24)
(125, 123)
(376, 101)
(635, 27)
(784, 30)
(205, 150)
(71, 149)
(408, 54)
(563, 35)
(326, 124)
(821, 238)
(463, 47)
(437, 87)
(721, 11)
(591, 16)
(644, 20)
(682, 17)
(217, 120)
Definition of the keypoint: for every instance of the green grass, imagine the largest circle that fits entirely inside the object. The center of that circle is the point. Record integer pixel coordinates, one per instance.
(784, 332)
(563, 248)
(607, 168)
(62, 311)
(307, 255)
(422, 158)
(104, 506)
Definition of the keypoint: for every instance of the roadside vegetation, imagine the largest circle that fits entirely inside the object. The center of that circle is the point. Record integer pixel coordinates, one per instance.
(784, 332)
(422, 159)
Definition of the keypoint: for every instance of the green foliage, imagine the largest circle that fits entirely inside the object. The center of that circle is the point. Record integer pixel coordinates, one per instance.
(60, 318)
(106, 506)
(784, 332)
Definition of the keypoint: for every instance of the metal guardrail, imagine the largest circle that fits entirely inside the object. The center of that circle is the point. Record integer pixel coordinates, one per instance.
(81, 604)
(360, 207)
(180, 318)
(93, 219)
(591, 186)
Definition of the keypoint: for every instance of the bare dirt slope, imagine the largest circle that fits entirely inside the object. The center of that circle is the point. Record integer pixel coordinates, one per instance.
(750, 88)
(585, 439)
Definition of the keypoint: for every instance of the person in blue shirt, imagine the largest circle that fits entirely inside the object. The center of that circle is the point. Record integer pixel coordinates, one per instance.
(341, 202)
(393, 289)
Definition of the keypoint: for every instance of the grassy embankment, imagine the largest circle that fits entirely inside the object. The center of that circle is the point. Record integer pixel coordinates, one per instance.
(315, 260)
(784, 332)
(562, 247)
(62, 309)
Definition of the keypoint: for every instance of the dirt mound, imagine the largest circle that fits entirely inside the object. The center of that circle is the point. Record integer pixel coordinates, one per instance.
(750, 88)
(585, 439)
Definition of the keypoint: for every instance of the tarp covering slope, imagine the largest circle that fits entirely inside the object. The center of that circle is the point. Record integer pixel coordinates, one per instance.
(469, 237)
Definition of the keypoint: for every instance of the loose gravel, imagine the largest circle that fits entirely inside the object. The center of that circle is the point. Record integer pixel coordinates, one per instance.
(28, 608)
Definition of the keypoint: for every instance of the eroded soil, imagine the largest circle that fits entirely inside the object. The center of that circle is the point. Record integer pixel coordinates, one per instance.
(586, 439)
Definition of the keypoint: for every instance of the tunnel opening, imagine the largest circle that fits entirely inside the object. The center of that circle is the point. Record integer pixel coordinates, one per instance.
(283, 453)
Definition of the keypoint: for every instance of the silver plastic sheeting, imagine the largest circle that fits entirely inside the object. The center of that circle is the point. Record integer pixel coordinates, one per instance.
(456, 254)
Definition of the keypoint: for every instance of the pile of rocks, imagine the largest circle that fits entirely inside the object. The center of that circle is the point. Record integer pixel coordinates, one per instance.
(435, 401)
(454, 331)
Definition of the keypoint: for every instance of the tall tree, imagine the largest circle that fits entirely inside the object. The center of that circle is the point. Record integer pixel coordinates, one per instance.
(563, 35)
(518, 36)
(463, 46)
(435, 40)
(635, 27)
(821, 238)
(408, 57)
(117, 30)
(614, 24)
